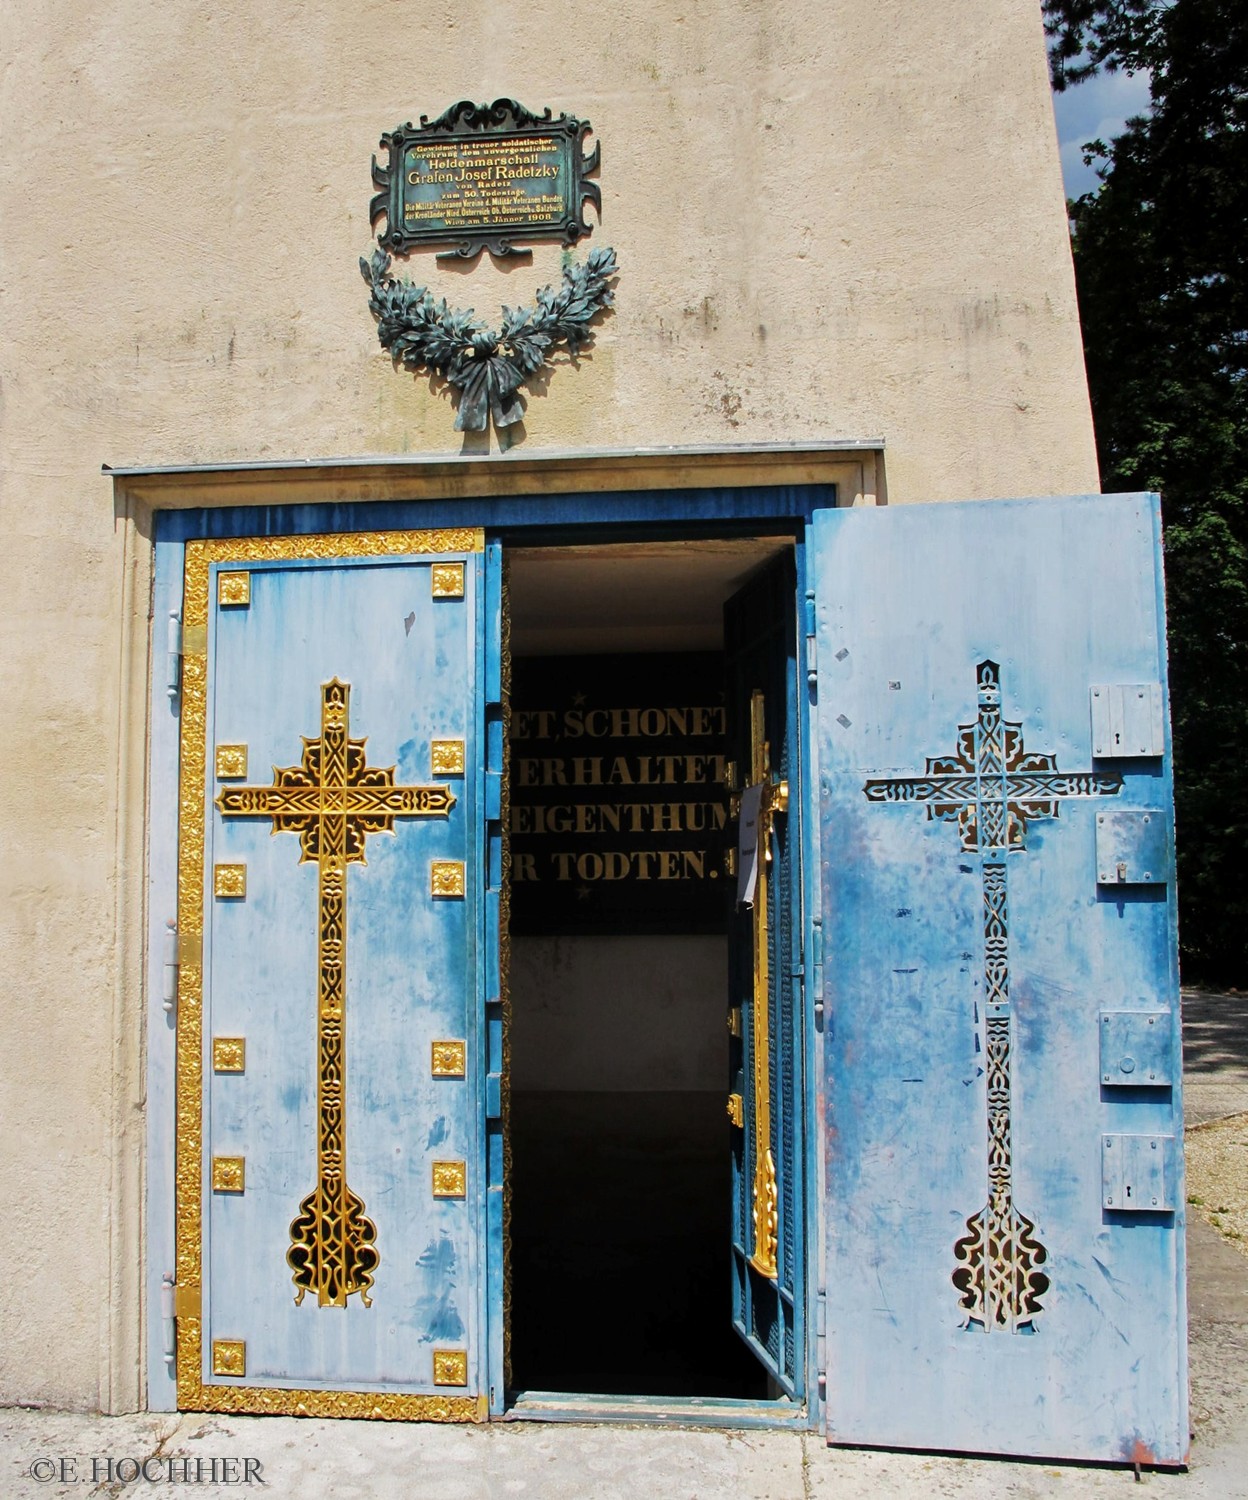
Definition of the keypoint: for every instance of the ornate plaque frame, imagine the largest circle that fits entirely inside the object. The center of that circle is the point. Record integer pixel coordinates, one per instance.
(471, 131)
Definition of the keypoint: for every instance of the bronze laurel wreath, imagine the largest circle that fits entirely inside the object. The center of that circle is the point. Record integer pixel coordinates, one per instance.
(487, 368)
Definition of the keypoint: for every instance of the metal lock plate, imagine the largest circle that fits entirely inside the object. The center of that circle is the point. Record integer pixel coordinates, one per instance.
(1128, 720)
(1135, 1048)
(1132, 847)
(1137, 1173)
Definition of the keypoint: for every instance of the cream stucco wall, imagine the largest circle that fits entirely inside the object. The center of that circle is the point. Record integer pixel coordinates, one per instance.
(832, 221)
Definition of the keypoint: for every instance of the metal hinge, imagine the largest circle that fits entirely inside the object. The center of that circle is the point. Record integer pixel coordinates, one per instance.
(169, 1318)
(169, 971)
(816, 968)
(179, 948)
(736, 1110)
(812, 659)
(180, 643)
(173, 657)
(175, 1302)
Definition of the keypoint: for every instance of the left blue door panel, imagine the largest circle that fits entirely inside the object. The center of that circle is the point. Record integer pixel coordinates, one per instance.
(342, 1159)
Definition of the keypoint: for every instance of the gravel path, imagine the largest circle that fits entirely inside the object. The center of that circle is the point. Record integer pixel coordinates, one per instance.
(1215, 1088)
(1217, 1176)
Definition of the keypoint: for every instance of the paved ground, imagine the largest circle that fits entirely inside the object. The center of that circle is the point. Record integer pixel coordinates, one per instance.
(306, 1460)
(1215, 1055)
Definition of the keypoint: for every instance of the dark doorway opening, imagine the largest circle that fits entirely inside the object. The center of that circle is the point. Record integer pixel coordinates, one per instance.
(620, 1259)
(620, 1173)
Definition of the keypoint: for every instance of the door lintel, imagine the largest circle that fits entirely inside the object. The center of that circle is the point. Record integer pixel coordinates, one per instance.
(854, 465)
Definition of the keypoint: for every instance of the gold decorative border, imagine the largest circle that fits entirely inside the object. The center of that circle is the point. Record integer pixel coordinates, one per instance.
(193, 1393)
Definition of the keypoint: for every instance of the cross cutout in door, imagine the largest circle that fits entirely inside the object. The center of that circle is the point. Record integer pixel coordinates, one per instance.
(991, 788)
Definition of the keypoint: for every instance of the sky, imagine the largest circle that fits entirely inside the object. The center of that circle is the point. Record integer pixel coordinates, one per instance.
(1096, 110)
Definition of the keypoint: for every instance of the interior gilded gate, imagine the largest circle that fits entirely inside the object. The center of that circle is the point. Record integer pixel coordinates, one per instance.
(767, 1139)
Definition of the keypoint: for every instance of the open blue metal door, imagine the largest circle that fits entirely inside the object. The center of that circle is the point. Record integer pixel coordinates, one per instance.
(339, 694)
(1001, 1065)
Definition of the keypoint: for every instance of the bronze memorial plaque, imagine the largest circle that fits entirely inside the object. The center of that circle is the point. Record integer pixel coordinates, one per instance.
(482, 176)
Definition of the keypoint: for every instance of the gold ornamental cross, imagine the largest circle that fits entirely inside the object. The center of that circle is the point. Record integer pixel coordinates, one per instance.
(333, 800)
(773, 799)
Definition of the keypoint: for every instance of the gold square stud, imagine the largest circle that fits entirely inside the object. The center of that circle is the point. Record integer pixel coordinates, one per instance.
(231, 762)
(450, 1367)
(229, 881)
(229, 1174)
(450, 1179)
(447, 580)
(229, 1054)
(446, 877)
(234, 590)
(450, 1059)
(447, 757)
(229, 1357)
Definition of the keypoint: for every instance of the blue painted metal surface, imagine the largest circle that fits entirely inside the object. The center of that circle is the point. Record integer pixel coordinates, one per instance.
(1134, 847)
(162, 886)
(494, 1287)
(1136, 1049)
(980, 1294)
(415, 974)
(545, 517)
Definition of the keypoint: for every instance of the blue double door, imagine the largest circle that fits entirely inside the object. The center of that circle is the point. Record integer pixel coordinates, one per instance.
(953, 1060)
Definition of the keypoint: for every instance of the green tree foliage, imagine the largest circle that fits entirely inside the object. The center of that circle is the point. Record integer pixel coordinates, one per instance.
(1087, 35)
(1160, 256)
